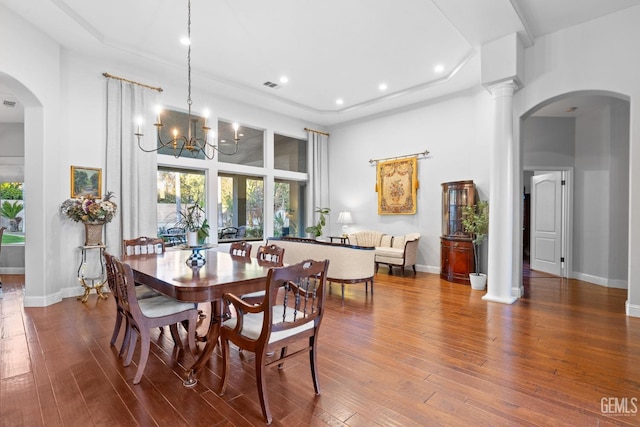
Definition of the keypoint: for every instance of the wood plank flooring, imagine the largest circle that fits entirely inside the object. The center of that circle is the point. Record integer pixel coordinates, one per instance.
(418, 352)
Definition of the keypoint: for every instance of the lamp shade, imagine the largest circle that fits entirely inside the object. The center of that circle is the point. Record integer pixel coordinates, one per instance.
(344, 217)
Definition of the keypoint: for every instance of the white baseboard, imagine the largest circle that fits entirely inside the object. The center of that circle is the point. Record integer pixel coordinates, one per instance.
(632, 310)
(601, 281)
(11, 270)
(428, 269)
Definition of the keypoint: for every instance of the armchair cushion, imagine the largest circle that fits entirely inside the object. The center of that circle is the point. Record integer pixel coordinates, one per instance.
(366, 238)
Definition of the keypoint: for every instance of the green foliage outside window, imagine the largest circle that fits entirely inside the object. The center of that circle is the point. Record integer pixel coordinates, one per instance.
(11, 191)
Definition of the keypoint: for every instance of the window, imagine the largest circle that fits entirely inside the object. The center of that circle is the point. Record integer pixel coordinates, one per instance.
(290, 154)
(289, 212)
(250, 148)
(12, 212)
(180, 121)
(240, 207)
(177, 188)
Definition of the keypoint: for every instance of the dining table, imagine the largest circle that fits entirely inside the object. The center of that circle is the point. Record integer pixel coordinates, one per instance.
(222, 272)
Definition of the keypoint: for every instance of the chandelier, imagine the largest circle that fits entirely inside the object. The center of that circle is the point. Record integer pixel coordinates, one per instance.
(189, 142)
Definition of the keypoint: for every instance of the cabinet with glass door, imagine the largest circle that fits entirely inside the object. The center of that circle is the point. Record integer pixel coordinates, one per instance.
(456, 249)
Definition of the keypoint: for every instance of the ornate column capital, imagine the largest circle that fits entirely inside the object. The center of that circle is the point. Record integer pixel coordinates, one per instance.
(503, 88)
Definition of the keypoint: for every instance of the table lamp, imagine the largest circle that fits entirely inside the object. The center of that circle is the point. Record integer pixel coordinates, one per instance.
(345, 219)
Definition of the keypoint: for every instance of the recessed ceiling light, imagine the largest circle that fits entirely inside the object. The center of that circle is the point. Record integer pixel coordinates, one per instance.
(382, 86)
(339, 101)
(438, 68)
(284, 79)
(185, 41)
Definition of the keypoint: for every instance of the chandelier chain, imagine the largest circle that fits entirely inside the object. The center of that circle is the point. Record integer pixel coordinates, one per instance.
(189, 142)
(189, 102)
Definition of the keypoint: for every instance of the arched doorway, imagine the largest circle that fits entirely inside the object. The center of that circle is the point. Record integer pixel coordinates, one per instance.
(586, 133)
(32, 140)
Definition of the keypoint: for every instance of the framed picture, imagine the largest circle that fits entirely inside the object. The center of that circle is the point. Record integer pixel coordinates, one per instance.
(86, 182)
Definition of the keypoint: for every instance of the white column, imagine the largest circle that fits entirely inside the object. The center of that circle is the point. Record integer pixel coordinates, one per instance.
(501, 251)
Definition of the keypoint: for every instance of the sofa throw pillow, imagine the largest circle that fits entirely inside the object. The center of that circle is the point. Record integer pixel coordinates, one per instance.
(398, 242)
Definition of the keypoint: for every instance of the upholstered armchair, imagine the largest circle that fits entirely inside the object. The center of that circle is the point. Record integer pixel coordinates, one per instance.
(402, 253)
(367, 238)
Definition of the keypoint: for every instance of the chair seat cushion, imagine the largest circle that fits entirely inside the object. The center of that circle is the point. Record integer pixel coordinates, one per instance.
(389, 252)
(252, 295)
(144, 291)
(162, 305)
(252, 325)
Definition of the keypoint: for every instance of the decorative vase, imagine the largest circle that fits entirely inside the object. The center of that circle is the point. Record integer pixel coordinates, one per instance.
(93, 233)
(192, 238)
(478, 281)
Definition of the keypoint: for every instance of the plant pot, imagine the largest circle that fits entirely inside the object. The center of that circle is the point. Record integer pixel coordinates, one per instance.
(478, 281)
(192, 238)
(93, 233)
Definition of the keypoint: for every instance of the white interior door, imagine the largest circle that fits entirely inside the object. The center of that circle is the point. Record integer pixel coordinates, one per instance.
(546, 222)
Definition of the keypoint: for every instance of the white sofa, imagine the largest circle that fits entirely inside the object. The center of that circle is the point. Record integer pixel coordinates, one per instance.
(347, 264)
(393, 251)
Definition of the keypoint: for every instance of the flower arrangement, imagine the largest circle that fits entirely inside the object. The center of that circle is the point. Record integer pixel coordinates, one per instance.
(87, 209)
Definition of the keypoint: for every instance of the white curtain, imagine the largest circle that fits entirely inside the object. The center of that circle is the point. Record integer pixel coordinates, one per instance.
(319, 171)
(130, 173)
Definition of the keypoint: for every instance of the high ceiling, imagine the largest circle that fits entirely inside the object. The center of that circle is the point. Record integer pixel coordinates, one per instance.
(329, 50)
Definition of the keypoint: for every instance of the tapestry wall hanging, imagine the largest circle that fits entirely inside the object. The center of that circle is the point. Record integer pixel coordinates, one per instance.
(397, 184)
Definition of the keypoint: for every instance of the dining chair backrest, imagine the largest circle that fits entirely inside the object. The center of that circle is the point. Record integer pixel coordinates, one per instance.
(240, 249)
(291, 311)
(270, 255)
(110, 266)
(142, 245)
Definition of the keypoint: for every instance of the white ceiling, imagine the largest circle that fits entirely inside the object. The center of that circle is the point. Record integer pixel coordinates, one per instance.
(328, 49)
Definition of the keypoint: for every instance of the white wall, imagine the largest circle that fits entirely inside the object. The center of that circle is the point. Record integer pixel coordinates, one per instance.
(548, 142)
(596, 55)
(455, 129)
(11, 140)
(619, 195)
(591, 194)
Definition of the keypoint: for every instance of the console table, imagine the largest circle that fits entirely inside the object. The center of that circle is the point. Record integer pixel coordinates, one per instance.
(340, 239)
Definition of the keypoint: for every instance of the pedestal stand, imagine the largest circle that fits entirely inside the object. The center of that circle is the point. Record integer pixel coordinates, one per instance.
(95, 281)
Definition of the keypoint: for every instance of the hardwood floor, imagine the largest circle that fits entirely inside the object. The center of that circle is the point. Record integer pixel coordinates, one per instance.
(419, 352)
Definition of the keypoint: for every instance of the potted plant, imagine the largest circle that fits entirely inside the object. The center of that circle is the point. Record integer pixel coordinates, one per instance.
(193, 220)
(316, 230)
(475, 221)
(11, 211)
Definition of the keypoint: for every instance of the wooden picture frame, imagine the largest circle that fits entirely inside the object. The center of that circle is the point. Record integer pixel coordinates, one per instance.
(86, 182)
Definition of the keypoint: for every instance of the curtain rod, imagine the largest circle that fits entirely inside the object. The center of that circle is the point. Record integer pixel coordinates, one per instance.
(425, 153)
(111, 76)
(316, 131)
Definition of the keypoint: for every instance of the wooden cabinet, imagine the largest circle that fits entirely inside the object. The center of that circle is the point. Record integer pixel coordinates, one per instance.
(456, 249)
(456, 259)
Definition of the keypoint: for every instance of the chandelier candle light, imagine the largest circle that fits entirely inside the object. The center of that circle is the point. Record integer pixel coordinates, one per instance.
(189, 142)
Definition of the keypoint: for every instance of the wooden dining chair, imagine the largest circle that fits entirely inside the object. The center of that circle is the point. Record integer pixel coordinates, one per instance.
(142, 292)
(143, 245)
(240, 249)
(145, 314)
(277, 322)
